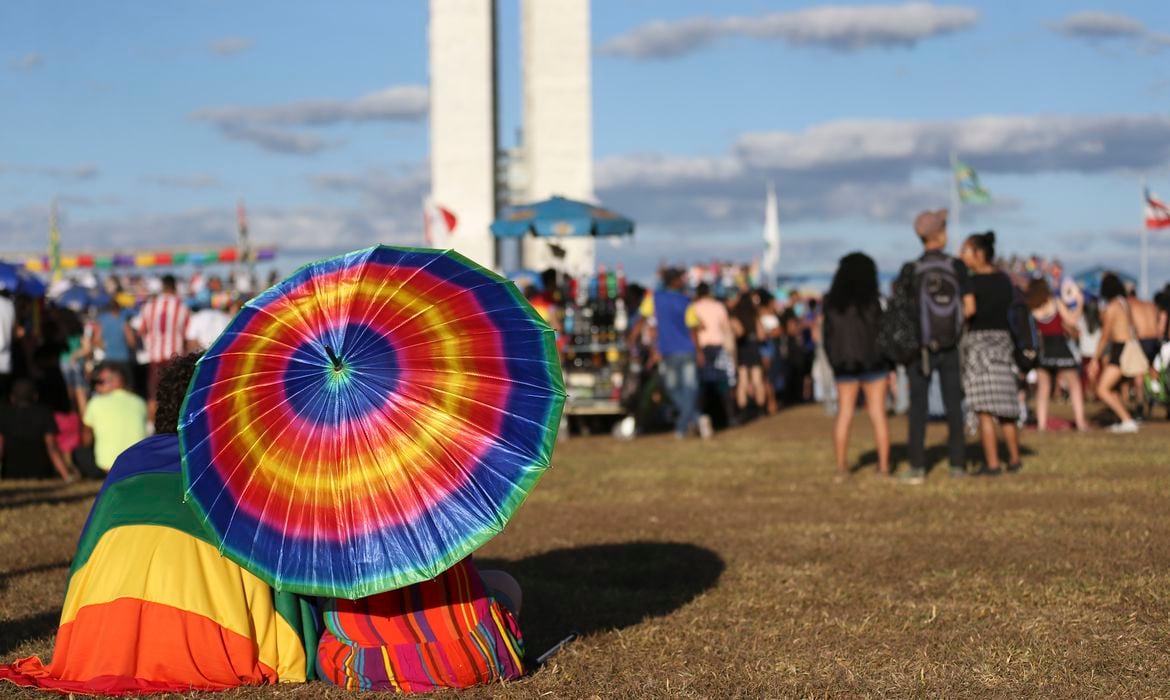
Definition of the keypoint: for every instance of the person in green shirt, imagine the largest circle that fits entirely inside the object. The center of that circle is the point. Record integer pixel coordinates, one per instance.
(114, 419)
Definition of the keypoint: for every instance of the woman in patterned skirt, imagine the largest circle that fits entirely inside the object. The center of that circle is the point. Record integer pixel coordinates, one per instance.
(990, 377)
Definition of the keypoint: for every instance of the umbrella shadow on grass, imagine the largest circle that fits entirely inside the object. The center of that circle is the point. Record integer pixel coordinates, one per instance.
(604, 587)
(14, 633)
(936, 455)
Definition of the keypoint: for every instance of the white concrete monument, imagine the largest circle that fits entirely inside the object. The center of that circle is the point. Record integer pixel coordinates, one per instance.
(463, 125)
(558, 120)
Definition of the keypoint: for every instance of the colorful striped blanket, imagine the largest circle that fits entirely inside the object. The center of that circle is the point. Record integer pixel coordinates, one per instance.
(444, 633)
(151, 605)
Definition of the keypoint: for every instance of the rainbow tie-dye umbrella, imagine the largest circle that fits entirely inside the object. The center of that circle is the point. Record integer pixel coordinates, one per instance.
(370, 421)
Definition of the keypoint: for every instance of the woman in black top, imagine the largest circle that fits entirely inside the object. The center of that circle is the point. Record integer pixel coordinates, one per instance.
(749, 331)
(990, 376)
(853, 315)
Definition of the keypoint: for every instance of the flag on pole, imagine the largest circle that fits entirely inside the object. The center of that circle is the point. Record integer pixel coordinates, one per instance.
(242, 242)
(54, 244)
(771, 260)
(438, 224)
(967, 182)
(1157, 212)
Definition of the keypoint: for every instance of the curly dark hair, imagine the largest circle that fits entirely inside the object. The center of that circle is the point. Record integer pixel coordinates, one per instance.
(855, 284)
(172, 389)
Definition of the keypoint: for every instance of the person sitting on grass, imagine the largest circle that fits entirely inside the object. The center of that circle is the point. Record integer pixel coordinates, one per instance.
(28, 438)
(114, 420)
(151, 606)
(454, 631)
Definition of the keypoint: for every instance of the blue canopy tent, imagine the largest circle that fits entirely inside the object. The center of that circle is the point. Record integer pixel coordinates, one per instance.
(1090, 280)
(15, 279)
(559, 218)
(80, 298)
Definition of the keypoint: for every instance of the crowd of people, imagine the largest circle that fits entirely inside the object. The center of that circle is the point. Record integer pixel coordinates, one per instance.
(79, 368)
(973, 340)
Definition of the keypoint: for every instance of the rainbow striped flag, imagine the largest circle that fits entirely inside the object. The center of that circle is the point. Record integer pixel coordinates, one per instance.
(152, 606)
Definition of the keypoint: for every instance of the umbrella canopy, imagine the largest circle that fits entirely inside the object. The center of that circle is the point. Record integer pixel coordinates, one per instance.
(559, 217)
(370, 421)
(16, 279)
(1090, 280)
(78, 298)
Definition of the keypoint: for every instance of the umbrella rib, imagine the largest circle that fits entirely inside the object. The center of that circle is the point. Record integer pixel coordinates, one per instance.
(408, 479)
(472, 427)
(222, 426)
(400, 509)
(497, 379)
(431, 303)
(441, 440)
(538, 322)
(386, 299)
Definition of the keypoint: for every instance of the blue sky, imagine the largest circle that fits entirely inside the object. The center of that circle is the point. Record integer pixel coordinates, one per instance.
(149, 121)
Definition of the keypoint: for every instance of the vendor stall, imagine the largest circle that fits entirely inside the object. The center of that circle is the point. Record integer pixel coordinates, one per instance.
(589, 311)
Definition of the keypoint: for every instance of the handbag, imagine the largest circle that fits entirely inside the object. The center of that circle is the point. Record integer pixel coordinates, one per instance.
(1134, 362)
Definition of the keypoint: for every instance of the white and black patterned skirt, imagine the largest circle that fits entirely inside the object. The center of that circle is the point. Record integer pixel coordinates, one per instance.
(990, 377)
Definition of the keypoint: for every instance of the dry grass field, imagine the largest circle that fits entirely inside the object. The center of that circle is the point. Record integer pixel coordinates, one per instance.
(736, 568)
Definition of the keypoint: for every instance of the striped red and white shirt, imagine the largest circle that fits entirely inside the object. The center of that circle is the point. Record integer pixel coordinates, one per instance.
(162, 323)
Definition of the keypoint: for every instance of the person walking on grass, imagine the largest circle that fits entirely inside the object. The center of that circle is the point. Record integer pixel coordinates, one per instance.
(1105, 369)
(942, 290)
(1059, 358)
(714, 336)
(670, 315)
(852, 321)
(990, 376)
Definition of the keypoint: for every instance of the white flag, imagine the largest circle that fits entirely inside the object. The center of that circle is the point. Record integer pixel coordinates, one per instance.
(771, 261)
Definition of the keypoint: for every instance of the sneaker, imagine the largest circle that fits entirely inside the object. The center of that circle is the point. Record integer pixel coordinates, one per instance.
(1128, 426)
(914, 477)
(988, 471)
(705, 429)
(1015, 468)
(958, 472)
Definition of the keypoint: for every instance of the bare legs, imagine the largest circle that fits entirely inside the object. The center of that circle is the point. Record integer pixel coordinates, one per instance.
(1043, 396)
(750, 385)
(1076, 392)
(1011, 436)
(846, 405)
(875, 405)
(1106, 391)
(1070, 378)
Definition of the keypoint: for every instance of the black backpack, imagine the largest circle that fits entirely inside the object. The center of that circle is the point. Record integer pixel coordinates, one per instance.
(940, 302)
(898, 336)
(1025, 334)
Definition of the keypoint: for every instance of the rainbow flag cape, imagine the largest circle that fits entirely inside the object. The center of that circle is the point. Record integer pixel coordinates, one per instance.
(152, 606)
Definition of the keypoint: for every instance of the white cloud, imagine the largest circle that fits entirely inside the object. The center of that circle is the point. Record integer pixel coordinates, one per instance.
(270, 127)
(186, 182)
(398, 103)
(380, 189)
(274, 140)
(231, 45)
(1096, 26)
(28, 62)
(307, 228)
(839, 27)
(866, 169)
(83, 171)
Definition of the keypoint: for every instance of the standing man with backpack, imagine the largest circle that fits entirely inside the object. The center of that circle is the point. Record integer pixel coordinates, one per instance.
(938, 290)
